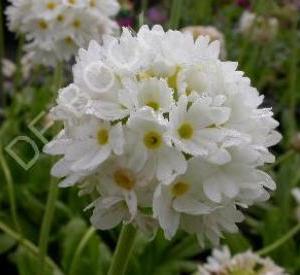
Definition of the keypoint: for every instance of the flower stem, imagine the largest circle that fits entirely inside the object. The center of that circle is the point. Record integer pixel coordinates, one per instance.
(57, 77)
(123, 250)
(11, 191)
(175, 14)
(80, 248)
(27, 245)
(52, 196)
(280, 241)
(2, 95)
(46, 225)
(19, 74)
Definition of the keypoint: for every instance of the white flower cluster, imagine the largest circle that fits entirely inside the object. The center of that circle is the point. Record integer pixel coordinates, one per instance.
(55, 29)
(221, 262)
(159, 129)
(258, 28)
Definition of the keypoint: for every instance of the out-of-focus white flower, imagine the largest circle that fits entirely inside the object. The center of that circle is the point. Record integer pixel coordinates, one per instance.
(55, 29)
(212, 32)
(258, 28)
(221, 262)
(296, 195)
(8, 68)
(27, 64)
(163, 133)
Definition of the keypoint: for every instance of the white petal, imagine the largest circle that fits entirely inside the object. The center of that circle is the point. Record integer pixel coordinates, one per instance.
(92, 160)
(61, 168)
(117, 138)
(131, 201)
(70, 180)
(190, 206)
(220, 157)
(167, 217)
(170, 163)
(212, 190)
(107, 218)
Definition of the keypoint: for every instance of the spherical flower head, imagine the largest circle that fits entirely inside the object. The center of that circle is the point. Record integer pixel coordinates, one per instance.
(56, 29)
(163, 136)
(246, 263)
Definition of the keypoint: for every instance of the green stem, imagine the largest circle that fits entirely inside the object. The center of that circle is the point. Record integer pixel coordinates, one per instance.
(46, 225)
(57, 77)
(27, 245)
(18, 74)
(144, 6)
(123, 250)
(143, 12)
(280, 241)
(11, 191)
(2, 95)
(175, 14)
(87, 236)
(281, 159)
(52, 196)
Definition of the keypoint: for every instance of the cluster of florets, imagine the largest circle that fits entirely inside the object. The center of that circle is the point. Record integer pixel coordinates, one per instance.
(161, 131)
(221, 262)
(55, 29)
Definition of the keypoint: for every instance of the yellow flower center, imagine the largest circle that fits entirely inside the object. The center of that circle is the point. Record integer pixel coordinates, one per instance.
(145, 75)
(60, 18)
(185, 131)
(93, 3)
(76, 23)
(172, 80)
(154, 105)
(72, 2)
(43, 24)
(69, 40)
(124, 178)
(51, 5)
(180, 188)
(152, 140)
(102, 136)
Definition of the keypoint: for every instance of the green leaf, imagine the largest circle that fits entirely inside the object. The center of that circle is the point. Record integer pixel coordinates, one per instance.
(6, 243)
(95, 257)
(27, 263)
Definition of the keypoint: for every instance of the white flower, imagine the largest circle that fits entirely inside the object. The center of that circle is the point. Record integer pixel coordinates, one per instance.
(8, 68)
(230, 179)
(211, 226)
(151, 147)
(123, 186)
(195, 129)
(55, 29)
(155, 93)
(182, 196)
(158, 130)
(71, 103)
(88, 144)
(221, 262)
